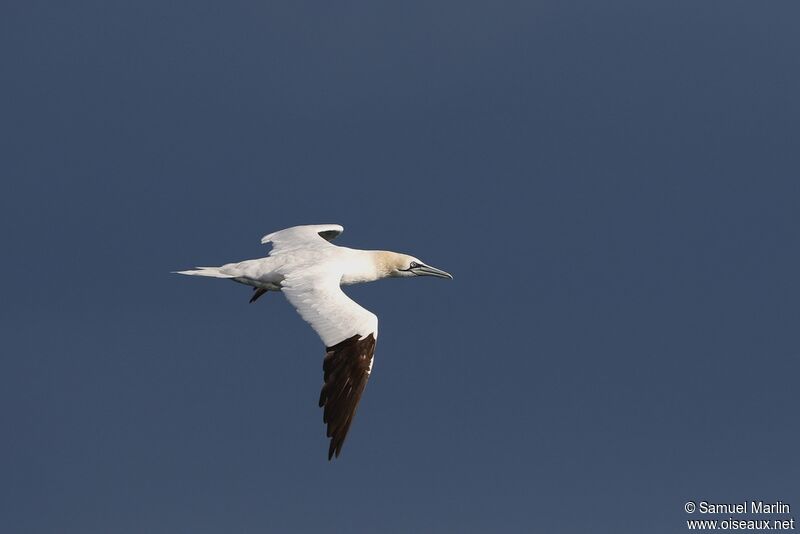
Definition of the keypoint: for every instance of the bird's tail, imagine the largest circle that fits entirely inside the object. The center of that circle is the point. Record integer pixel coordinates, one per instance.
(213, 272)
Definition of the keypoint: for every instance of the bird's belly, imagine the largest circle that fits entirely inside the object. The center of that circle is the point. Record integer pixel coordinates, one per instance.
(350, 279)
(269, 286)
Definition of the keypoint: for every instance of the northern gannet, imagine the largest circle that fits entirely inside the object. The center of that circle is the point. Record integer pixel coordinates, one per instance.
(309, 270)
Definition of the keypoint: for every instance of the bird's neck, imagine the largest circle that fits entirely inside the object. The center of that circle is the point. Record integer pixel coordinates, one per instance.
(367, 266)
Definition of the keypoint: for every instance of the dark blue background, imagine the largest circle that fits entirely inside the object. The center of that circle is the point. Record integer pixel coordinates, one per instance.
(614, 186)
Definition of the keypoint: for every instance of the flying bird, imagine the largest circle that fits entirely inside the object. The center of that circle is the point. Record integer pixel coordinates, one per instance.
(309, 270)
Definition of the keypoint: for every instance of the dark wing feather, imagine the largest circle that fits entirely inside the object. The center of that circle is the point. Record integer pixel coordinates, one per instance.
(347, 367)
(329, 235)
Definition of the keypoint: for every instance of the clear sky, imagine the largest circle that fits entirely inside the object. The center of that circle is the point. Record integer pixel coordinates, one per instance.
(614, 186)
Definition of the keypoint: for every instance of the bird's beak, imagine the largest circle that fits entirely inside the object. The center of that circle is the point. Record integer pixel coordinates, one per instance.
(426, 270)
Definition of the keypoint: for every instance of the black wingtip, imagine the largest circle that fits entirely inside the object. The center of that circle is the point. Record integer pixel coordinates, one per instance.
(334, 449)
(346, 368)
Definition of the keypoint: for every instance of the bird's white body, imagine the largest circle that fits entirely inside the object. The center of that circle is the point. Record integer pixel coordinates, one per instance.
(309, 271)
(355, 266)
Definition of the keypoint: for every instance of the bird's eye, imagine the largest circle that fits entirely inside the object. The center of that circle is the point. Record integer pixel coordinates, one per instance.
(413, 265)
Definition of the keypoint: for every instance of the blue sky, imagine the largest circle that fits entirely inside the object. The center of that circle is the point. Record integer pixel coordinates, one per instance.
(614, 188)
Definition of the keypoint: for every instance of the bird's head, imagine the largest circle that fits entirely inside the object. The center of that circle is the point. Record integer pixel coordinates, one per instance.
(402, 265)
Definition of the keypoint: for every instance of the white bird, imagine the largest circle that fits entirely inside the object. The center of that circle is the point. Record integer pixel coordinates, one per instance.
(309, 270)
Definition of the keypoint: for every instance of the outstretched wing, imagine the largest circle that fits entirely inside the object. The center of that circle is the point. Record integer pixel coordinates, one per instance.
(347, 367)
(349, 333)
(310, 235)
